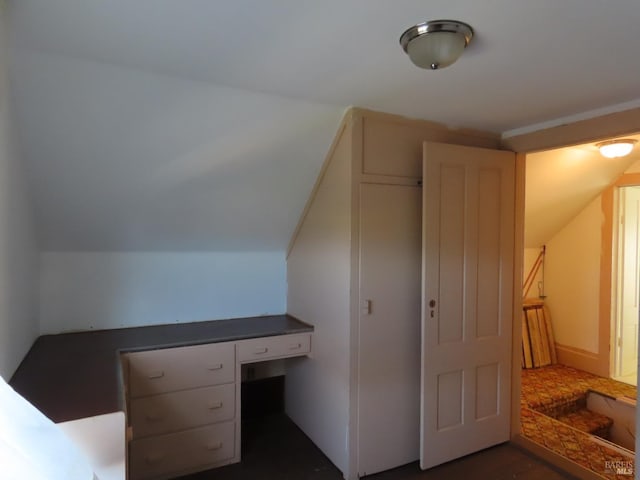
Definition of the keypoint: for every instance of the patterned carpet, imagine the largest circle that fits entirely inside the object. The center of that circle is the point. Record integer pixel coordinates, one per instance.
(548, 386)
(556, 391)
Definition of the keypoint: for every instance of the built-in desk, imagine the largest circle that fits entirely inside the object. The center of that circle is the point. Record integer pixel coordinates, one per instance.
(76, 375)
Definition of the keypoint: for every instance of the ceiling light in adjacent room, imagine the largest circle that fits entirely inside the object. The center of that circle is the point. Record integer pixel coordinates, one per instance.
(436, 44)
(616, 148)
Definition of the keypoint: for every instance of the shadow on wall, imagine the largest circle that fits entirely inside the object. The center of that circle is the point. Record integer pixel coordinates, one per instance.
(81, 291)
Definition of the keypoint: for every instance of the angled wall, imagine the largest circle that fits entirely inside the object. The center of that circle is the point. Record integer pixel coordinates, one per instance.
(572, 280)
(160, 199)
(18, 325)
(318, 292)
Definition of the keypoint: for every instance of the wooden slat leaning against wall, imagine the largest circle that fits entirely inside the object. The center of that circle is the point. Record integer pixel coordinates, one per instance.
(538, 344)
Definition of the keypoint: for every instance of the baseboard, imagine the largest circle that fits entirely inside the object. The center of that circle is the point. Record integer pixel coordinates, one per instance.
(582, 360)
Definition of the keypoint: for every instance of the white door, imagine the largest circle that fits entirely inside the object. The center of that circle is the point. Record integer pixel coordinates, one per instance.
(468, 232)
(389, 340)
(628, 271)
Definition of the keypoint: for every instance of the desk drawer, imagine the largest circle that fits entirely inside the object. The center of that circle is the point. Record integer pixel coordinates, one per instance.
(282, 346)
(170, 412)
(187, 451)
(173, 369)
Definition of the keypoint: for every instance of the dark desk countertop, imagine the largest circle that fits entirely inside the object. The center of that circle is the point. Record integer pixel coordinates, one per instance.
(75, 375)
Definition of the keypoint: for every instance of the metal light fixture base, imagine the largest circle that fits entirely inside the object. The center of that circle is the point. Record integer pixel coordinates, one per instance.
(443, 54)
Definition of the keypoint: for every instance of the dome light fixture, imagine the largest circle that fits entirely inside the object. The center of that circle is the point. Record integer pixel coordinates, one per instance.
(616, 148)
(436, 44)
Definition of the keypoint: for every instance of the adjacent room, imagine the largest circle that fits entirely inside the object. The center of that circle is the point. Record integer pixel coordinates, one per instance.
(226, 219)
(580, 318)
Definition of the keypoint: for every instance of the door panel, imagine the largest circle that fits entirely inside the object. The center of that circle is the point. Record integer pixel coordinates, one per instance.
(451, 238)
(629, 267)
(389, 340)
(488, 388)
(468, 244)
(450, 399)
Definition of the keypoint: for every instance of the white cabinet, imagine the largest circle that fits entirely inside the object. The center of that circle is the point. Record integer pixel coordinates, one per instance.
(169, 412)
(354, 272)
(389, 325)
(174, 369)
(183, 403)
(165, 456)
(266, 348)
(182, 409)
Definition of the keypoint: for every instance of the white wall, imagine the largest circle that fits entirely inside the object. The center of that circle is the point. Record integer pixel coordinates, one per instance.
(125, 160)
(111, 290)
(317, 389)
(18, 326)
(572, 279)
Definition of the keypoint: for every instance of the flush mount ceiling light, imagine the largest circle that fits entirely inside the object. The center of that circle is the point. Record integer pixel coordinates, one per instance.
(616, 148)
(436, 44)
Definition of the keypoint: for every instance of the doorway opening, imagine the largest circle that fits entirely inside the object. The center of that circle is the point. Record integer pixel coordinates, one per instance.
(567, 195)
(626, 285)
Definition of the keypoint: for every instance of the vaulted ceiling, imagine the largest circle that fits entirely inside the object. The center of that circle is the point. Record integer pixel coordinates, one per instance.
(561, 182)
(201, 125)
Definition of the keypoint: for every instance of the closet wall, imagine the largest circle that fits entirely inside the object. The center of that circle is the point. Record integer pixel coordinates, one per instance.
(366, 352)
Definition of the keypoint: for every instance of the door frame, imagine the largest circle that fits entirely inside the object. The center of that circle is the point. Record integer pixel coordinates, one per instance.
(618, 269)
(577, 132)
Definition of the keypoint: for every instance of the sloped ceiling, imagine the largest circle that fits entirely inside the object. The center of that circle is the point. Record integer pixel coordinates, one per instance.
(560, 183)
(201, 125)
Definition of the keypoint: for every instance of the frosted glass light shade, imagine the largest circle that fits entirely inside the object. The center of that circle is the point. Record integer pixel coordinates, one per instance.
(616, 148)
(437, 50)
(436, 44)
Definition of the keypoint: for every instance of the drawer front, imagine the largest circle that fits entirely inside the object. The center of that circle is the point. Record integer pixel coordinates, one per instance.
(186, 451)
(258, 349)
(170, 412)
(173, 369)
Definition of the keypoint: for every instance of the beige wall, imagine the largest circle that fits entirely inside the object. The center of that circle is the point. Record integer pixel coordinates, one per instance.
(634, 168)
(572, 279)
(318, 292)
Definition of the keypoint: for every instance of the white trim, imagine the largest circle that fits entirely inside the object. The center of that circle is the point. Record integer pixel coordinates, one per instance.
(619, 107)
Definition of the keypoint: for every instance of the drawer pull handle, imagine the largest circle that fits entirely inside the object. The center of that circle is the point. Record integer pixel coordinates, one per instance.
(296, 346)
(154, 458)
(260, 351)
(158, 374)
(217, 366)
(214, 405)
(214, 446)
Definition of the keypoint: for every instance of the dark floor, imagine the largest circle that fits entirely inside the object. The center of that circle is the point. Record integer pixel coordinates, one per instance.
(274, 448)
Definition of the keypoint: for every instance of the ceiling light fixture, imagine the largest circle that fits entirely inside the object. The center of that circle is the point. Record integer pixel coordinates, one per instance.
(616, 148)
(436, 44)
